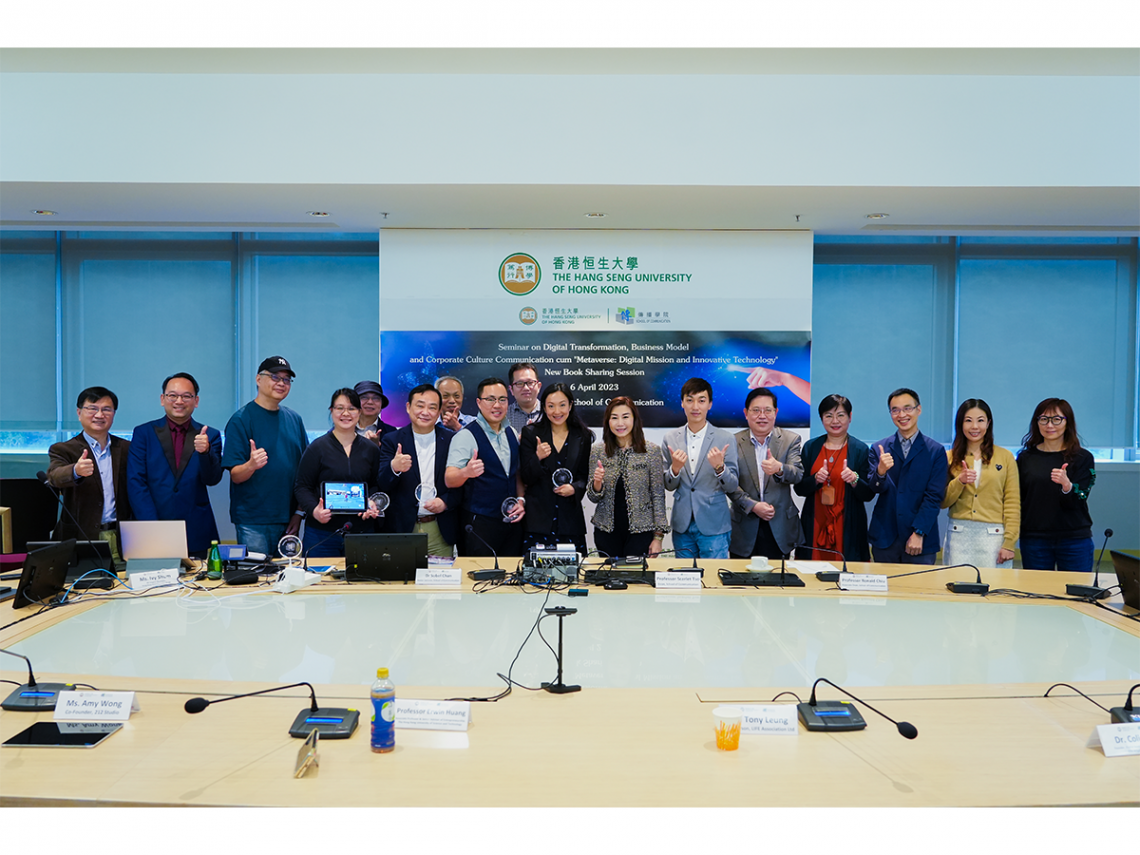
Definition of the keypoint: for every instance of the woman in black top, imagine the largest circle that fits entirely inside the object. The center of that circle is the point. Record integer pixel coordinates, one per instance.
(559, 440)
(339, 455)
(1056, 476)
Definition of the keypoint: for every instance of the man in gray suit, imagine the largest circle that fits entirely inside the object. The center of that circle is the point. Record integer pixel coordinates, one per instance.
(700, 469)
(764, 518)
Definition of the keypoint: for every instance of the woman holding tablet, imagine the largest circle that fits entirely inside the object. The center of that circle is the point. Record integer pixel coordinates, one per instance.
(554, 458)
(1056, 476)
(628, 485)
(983, 493)
(343, 456)
(834, 517)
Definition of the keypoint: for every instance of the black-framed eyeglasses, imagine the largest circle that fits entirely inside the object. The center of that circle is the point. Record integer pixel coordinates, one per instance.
(283, 379)
(1051, 420)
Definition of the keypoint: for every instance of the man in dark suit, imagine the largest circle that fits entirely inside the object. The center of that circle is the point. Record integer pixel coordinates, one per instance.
(764, 517)
(908, 471)
(90, 470)
(416, 457)
(171, 463)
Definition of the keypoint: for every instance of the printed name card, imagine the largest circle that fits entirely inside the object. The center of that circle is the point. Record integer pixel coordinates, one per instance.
(862, 582)
(153, 579)
(677, 580)
(413, 714)
(1117, 740)
(95, 706)
(767, 719)
(438, 577)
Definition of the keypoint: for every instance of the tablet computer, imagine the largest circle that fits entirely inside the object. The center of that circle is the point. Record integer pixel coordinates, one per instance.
(344, 497)
(64, 734)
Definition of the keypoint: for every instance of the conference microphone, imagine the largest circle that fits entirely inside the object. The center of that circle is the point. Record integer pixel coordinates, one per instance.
(979, 587)
(840, 715)
(1093, 591)
(344, 529)
(331, 722)
(830, 575)
(1126, 714)
(43, 479)
(33, 696)
(470, 529)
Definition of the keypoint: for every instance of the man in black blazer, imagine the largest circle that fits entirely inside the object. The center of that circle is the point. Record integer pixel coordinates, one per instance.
(416, 456)
(90, 470)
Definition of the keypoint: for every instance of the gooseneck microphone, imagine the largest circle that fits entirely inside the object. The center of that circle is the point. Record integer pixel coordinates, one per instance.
(1126, 714)
(979, 587)
(832, 715)
(43, 479)
(470, 529)
(332, 722)
(344, 529)
(32, 696)
(1093, 591)
(830, 575)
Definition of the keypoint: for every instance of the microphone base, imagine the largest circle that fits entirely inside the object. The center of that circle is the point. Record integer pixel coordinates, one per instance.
(1122, 716)
(329, 722)
(968, 588)
(831, 716)
(38, 698)
(1087, 592)
(762, 580)
(486, 575)
(828, 575)
(560, 688)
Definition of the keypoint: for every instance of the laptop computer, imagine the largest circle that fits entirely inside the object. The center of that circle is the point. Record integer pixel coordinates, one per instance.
(153, 539)
(1128, 576)
(91, 556)
(384, 557)
(45, 572)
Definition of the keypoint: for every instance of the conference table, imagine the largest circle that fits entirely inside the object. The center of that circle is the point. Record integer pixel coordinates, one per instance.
(969, 672)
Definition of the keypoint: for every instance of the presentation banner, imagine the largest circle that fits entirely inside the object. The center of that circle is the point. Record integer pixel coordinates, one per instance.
(608, 312)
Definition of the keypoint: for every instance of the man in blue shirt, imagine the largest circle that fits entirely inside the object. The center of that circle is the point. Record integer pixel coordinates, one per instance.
(264, 444)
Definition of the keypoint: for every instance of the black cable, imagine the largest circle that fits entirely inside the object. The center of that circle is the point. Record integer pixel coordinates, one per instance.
(13, 682)
(88, 685)
(1075, 689)
(793, 694)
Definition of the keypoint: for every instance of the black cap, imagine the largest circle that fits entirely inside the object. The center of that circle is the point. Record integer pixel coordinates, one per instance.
(274, 364)
(371, 387)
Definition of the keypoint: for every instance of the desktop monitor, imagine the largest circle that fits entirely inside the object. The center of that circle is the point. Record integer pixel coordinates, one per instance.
(384, 557)
(1128, 575)
(45, 573)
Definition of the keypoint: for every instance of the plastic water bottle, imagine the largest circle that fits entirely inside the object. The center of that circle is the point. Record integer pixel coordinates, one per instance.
(383, 713)
(214, 561)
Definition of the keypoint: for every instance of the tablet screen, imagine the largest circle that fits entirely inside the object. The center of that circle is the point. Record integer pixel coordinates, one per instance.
(343, 497)
(63, 734)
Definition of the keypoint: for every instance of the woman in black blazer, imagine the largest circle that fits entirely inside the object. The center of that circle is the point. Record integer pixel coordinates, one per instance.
(835, 469)
(559, 440)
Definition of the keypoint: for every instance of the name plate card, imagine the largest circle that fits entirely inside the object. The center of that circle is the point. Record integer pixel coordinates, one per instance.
(412, 714)
(862, 582)
(768, 719)
(1117, 740)
(438, 577)
(95, 706)
(153, 579)
(677, 580)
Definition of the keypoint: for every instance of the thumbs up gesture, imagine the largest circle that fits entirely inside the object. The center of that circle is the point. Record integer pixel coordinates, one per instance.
(886, 461)
(401, 462)
(771, 465)
(202, 441)
(679, 460)
(85, 465)
(543, 450)
(822, 475)
(320, 513)
(474, 467)
(716, 457)
(599, 474)
(1061, 476)
(257, 456)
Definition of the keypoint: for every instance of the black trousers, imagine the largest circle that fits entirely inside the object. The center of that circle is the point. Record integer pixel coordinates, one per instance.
(765, 543)
(503, 538)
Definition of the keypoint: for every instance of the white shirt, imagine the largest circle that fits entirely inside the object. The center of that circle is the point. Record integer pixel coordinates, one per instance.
(695, 441)
(425, 457)
(760, 447)
(101, 455)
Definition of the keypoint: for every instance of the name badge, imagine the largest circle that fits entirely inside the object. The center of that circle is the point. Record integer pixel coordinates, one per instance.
(768, 719)
(677, 580)
(412, 714)
(95, 706)
(438, 577)
(153, 579)
(862, 582)
(1116, 740)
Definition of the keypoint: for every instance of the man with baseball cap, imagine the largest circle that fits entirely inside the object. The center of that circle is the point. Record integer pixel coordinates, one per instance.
(372, 401)
(264, 444)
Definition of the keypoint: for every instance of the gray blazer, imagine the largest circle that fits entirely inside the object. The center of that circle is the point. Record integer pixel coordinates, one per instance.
(701, 498)
(785, 447)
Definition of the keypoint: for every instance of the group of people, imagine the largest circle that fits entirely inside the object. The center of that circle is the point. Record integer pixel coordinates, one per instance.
(514, 476)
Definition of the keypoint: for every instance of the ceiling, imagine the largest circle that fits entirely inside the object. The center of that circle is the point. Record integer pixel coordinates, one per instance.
(359, 207)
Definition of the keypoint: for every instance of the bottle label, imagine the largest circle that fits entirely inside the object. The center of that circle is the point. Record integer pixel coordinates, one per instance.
(388, 711)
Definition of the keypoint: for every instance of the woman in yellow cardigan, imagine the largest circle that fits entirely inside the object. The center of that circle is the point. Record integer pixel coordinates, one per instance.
(983, 493)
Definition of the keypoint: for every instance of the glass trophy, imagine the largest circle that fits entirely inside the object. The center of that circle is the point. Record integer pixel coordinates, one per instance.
(510, 505)
(378, 502)
(290, 548)
(562, 477)
(425, 493)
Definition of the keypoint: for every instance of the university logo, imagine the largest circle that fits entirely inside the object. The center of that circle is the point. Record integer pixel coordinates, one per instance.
(626, 316)
(519, 274)
(528, 315)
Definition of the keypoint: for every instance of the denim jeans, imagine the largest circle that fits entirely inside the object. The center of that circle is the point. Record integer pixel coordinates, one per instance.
(260, 538)
(896, 554)
(322, 544)
(1047, 553)
(693, 544)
